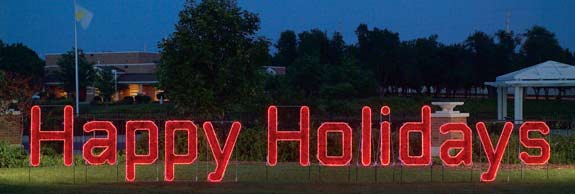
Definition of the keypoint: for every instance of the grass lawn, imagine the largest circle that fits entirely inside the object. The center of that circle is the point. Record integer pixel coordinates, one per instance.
(255, 177)
(483, 107)
(285, 178)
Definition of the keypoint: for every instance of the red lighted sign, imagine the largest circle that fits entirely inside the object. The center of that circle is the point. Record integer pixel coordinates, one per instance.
(221, 155)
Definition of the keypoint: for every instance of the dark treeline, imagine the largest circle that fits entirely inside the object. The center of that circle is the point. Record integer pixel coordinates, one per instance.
(212, 64)
(216, 68)
(380, 63)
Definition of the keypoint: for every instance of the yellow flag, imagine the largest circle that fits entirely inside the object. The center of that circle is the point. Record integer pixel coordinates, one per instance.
(83, 16)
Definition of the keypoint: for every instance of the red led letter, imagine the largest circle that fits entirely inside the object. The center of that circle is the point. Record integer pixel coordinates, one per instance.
(423, 127)
(132, 159)
(109, 143)
(171, 157)
(366, 136)
(385, 138)
(494, 156)
(222, 156)
(346, 135)
(302, 136)
(37, 136)
(536, 143)
(465, 154)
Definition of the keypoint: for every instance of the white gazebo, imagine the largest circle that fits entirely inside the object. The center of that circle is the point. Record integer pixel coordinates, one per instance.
(547, 74)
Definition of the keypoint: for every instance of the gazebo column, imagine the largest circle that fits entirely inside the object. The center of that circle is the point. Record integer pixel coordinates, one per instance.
(518, 116)
(504, 102)
(501, 102)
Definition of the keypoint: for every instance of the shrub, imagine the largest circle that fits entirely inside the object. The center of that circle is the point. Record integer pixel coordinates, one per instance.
(562, 149)
(62, 101)
(142, 99)
(96, 100)
(127, 100)
(12, 156)
(252, 145)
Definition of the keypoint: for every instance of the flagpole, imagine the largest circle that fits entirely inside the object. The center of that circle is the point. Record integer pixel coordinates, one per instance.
(76, 60)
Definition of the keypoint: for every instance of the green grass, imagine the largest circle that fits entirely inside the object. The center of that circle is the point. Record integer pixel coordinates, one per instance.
(255, 177)
(485, 106)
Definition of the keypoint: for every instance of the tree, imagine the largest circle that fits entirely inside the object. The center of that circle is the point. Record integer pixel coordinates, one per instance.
(379, 51)
(287, 48)
(345, 81)
(314, 43)
(306, 75)
(104, 81)
(16, 89)
(506, 56)
(540, 45)
(363, 44)
(19, 59)
(212, 62)
(455, 58)
(418, 65)
(482, 57)
(66, 72)
(336, 50)
(325, 72)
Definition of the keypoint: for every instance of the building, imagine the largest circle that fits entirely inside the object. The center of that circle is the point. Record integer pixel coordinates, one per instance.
(135, 73)
(549, 74)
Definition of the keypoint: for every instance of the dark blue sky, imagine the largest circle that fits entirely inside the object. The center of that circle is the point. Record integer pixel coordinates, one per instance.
(121, 25)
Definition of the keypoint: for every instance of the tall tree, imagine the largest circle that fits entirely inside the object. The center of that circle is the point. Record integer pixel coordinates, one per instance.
(307, 75)
(506, 56)
(482, 57)
(66, 72)
(363, 44)
(428, 65)
(212, 62)
(540, 45)
(336, 48)
(286, 48)
(314, 43)
(104, 81)
(379, 50)
(18, 58)
(455, 58)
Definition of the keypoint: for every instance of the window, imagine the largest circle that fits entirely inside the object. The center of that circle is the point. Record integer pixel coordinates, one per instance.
(134, 89)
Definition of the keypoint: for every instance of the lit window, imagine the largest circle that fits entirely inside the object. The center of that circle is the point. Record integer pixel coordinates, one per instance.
(134, 89)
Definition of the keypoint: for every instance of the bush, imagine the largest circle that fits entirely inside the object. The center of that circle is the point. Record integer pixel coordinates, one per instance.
(62, 101)
(96, 100)
(127, 100)
(12, 156)
(142, 99)
(562, 149)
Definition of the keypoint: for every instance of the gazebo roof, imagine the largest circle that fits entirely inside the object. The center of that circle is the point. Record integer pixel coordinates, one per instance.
(547, 74)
